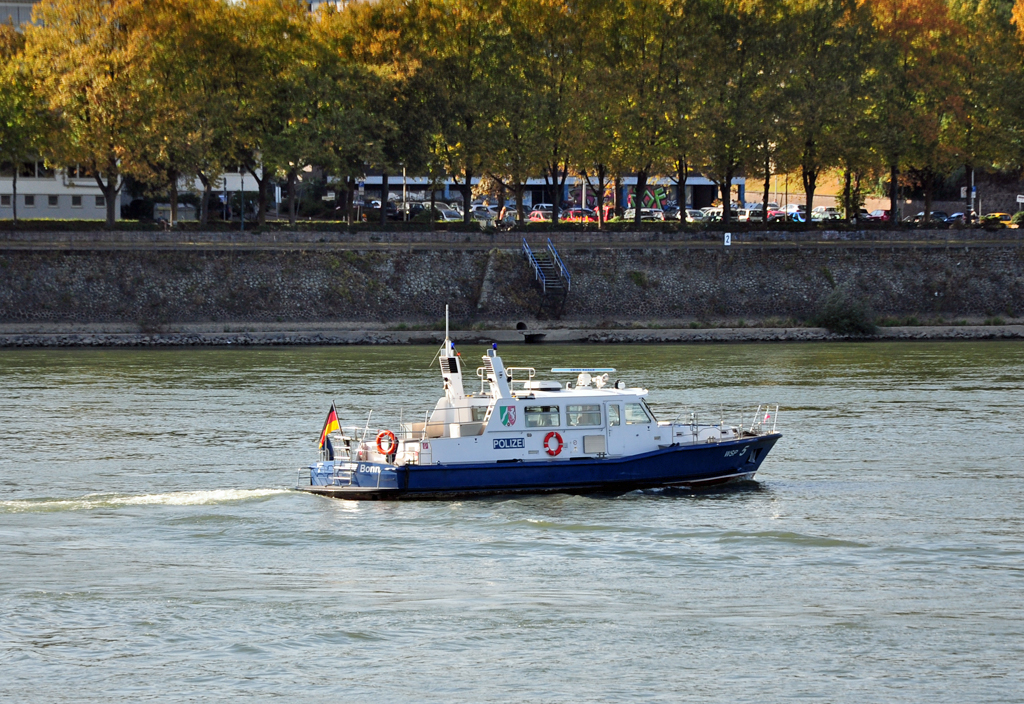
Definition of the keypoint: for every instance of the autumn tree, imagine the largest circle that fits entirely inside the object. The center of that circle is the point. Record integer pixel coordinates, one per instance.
(641, 38)
(907, 78)
(88, 60)
(732, 60)
(22, 118)
(460, 52)
(824, 82)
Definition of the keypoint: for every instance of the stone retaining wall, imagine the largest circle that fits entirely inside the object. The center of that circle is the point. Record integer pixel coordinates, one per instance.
(610, 285)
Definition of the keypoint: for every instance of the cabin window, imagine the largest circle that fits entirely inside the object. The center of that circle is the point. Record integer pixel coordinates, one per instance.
(583, 415)
(479, 412)
(636, 414)
(542, 416)
(650, 413)
(613, 414)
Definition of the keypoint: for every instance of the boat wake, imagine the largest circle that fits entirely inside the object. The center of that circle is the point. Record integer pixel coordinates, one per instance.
(100, 501)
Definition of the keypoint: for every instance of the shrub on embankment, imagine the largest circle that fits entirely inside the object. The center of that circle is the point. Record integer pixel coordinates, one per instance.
(610, 286)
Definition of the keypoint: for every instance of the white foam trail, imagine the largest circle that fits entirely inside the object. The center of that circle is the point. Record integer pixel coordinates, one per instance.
(176, 498)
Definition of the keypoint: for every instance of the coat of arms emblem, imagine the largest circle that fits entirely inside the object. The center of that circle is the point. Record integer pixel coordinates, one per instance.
(507, 415)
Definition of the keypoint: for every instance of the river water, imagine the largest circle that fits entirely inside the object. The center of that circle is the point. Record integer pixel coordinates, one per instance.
(150, 547)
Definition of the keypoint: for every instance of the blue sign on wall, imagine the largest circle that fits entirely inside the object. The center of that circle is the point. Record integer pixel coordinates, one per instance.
(509, 444)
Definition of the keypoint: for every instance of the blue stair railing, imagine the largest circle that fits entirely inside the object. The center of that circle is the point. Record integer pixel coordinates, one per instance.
(563, 272)
(536, 265)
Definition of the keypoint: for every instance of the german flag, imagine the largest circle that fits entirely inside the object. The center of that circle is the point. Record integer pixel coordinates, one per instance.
(330, 425)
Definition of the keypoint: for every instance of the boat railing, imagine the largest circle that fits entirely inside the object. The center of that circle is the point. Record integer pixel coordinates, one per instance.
(529, 371)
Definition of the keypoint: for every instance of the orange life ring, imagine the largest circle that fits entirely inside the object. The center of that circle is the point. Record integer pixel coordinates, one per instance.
(392, 443)
(558, 447)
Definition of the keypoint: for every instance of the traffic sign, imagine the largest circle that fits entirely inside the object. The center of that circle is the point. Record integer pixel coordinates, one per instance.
(1020, 199)
(728, 239)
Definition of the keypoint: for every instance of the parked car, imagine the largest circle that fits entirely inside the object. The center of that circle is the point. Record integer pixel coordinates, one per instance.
(937, 216)
(1004, 219)
(826, 212)
(646, 214)
(445, 214)
(693, 215)
(785, 216)
(878, 216)
(715, 215)
(671, 212)
(578, 215)
(484, 212)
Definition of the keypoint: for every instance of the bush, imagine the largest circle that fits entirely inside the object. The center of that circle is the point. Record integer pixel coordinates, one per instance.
(1018, 218)
(842, 314)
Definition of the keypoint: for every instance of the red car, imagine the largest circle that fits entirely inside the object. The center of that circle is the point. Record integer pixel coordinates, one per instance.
(878, 216)
(579, 215)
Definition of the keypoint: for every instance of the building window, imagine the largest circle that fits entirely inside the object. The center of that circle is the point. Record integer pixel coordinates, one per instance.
(76, 201)
(53, 201)
(583, 415)
(542, 416)
(5, 201)
(6, 169)
(30, 201)
(27, 169)
(101, 202)
(44, 171)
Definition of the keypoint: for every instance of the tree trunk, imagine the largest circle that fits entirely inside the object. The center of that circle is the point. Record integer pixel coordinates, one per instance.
(894, 187)
(261, 198)
(928, 186)
(855, 196)
(638, 191)
(848, 196)
(351, 200)
(559, 189)
(767, 184)
(519, 202)
(726, 188)
(970, 194)
(204, 204)
(809, 175)
(172, 182)
(109, 190)
(617, 196)
(385, 190)
(433, 200)
(600, 196)
(467, 197)
(810, 179)
(14, 191)
(293, 182)
(682, 173)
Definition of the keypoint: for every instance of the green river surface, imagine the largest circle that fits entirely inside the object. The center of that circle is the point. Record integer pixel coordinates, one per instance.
(151, 547)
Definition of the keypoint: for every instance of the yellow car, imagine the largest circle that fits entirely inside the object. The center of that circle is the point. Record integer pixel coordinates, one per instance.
(1004, 218)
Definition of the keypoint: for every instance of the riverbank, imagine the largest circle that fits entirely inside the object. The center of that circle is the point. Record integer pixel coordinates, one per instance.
(55, 336)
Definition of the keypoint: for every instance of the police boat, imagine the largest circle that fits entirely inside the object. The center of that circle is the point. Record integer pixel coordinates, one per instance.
(520, 434)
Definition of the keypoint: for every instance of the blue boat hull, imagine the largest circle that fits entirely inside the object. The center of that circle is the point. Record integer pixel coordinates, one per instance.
(677, 465)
